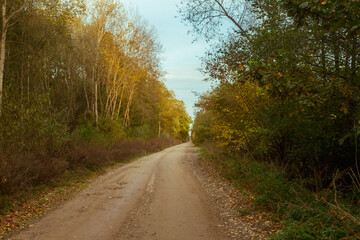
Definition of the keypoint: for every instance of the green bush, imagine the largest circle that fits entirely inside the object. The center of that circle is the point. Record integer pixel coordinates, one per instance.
(35, 126)
(89, 133)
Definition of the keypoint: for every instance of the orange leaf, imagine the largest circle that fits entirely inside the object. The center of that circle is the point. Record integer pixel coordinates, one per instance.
(241, 67)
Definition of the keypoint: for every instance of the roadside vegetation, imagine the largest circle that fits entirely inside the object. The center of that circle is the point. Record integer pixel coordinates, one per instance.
(284, 113)
(298, 212)
(80, 89)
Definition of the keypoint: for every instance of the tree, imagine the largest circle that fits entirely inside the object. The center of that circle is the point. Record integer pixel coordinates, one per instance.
(289, 90)
(8, 12)
(206, 17)
(74, 67)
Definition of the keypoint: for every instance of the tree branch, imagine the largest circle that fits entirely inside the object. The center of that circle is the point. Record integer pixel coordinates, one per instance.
(17, 11)
(232, 19)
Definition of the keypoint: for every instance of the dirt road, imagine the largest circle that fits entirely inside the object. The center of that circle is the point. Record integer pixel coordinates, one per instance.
(155, 197)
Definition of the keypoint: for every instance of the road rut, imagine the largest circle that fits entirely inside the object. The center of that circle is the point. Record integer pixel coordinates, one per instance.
(154, 197)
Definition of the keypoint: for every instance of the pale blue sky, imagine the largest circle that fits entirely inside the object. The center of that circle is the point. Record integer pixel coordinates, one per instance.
(181, 56)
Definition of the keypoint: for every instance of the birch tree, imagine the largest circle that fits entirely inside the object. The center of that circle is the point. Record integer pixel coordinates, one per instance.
(9, 9)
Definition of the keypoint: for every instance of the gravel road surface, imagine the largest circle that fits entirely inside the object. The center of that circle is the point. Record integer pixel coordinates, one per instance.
(154, 197)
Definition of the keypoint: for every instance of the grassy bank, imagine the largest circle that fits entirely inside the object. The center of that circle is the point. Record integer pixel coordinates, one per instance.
(34, 186)
(303, 214)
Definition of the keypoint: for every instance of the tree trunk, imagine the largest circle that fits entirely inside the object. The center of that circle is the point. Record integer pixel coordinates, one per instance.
(347, 57)
(22, 79)
(353, 57)
(323, 56)
(95, 78)
(336, 51)
(5, 24)
(159, 133)
(127, 112)
(2, 51)
(86, 97)
(120, 102)
(28, 79)
(96, 103)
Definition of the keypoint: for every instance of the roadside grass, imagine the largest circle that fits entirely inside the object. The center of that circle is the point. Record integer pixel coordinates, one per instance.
(84, 163)
(302, 214)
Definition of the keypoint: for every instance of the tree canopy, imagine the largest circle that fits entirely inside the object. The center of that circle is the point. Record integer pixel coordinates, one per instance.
(287, 83)
(72, 66)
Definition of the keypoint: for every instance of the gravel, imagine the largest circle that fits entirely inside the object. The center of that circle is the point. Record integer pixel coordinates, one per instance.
(240, 219)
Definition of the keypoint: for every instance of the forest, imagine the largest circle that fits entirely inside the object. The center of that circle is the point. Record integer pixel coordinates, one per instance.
(81, 89)
(286, 96)
(80, 86)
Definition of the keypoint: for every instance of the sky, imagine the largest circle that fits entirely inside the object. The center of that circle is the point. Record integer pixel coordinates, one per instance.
(181, 55)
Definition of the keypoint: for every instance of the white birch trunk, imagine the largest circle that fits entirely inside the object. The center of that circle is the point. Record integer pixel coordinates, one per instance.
(4, 28)
(2, 51)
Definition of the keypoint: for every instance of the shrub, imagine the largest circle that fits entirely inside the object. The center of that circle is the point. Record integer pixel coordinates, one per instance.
(23, 170)
(19, 172)
(88, 155)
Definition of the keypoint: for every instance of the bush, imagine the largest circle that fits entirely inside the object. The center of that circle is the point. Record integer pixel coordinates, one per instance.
(88, 133)
(88, 155)
(23, 170)
(19, 172)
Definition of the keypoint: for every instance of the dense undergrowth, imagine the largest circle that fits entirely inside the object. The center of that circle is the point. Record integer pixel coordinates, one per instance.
(303, 214)
(27, 170)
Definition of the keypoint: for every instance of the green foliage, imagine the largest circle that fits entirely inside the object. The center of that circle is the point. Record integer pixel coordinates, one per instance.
(90, 133)
(174, 120)
(184, 128)
(200, 131)
(288, 91)
(143, 131)
(5, 204)
(302, 213)
(29, 127)
(333, 15)
(112, 129)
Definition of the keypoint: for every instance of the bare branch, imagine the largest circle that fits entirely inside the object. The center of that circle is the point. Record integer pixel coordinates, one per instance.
(231, 18)
(16, 11)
